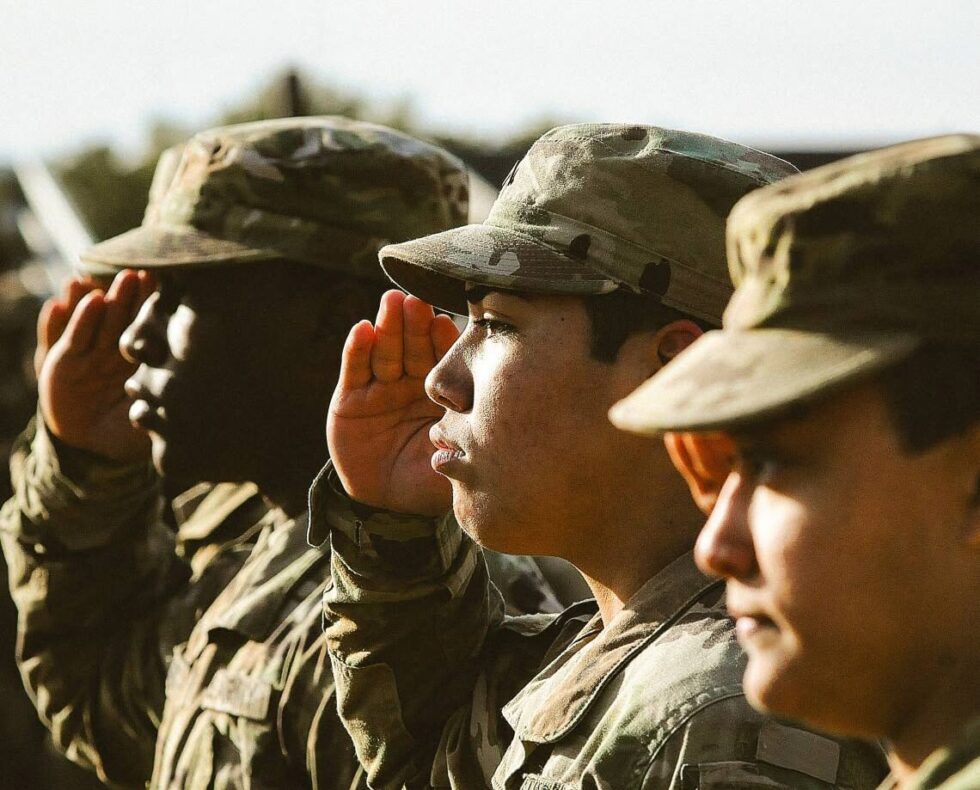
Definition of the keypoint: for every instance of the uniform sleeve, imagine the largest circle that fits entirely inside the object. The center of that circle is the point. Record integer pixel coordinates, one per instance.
(313, 739)
(407, 619)
(728, 744)
(96, 583)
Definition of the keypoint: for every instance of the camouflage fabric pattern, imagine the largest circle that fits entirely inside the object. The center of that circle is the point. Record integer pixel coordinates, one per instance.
(439, 688)
(956, 767)
(209, 669)
(327, 191)
(840, 272)
(593, 207)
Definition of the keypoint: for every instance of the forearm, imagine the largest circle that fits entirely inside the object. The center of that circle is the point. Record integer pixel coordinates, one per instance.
(90, 569)
(407, 619)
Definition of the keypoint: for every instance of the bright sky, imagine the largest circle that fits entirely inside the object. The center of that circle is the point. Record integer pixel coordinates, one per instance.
(766, 72)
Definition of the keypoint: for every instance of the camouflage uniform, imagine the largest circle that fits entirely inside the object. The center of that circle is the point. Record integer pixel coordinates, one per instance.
(956, 767)
(430, 672)
(434, 683)
(841, 272)
(208, 645)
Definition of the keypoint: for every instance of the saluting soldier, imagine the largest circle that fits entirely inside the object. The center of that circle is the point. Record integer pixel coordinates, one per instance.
(198, 661)
(601, 260)
(832, 431)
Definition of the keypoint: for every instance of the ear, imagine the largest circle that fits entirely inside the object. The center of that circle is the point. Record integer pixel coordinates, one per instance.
(672, 339)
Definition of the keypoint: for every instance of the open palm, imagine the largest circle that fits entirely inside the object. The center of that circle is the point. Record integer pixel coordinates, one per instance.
(81, 371)
(379, 419)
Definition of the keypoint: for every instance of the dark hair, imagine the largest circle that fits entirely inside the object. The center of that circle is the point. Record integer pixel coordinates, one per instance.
(933, 394)
(617, 315)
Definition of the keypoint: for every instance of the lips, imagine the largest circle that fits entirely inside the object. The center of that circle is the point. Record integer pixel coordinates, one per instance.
(750, 622)
(447, 452)
(146, 411)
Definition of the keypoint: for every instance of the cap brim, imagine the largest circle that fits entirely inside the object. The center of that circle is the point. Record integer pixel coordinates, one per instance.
(157, 246)
(437, 268)
(728, 379)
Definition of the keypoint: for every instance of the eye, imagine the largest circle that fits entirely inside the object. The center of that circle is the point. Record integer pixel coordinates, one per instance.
(492, 326)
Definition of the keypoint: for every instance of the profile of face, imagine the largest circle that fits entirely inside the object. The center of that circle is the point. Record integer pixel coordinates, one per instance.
(853, 566)
(525, 440)
(227, 357)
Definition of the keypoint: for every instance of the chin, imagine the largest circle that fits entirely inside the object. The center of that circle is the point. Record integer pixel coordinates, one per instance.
(779, 688)
(476, 516)
(159, 454)
(180, 467)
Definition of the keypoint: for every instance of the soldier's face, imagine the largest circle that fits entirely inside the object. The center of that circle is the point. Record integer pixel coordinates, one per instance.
(222, 353)
(850, 566)
(532, 457)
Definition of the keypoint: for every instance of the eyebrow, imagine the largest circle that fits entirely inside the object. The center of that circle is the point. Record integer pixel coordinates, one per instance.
(477, 293)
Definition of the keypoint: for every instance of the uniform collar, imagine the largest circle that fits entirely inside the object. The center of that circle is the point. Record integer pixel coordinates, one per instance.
(279, 561)
(562, 693)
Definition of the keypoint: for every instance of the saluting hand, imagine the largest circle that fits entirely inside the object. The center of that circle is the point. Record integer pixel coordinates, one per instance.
(80, 370)
(378, 425)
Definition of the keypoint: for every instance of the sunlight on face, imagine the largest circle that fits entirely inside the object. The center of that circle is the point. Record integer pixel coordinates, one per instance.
(842, 554)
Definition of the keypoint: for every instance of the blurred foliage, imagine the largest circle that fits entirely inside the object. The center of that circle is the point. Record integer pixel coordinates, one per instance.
(111, 193)
(12, 246)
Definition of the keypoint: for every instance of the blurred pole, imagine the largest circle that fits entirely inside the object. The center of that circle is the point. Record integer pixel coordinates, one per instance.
(295, 102)
(65, 233)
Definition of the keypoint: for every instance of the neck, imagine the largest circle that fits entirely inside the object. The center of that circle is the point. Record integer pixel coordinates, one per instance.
(947, 709)
(642, 532)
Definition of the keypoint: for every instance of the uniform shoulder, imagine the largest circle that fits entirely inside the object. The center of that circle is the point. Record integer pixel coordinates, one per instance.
(727, 743)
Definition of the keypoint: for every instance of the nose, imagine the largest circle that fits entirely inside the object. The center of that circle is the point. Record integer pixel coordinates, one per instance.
(450, 382)
(724, 548)
(144, 340)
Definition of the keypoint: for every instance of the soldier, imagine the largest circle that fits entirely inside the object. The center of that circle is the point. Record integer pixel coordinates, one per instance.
(199, 661)
(602, 258)
(834, 428)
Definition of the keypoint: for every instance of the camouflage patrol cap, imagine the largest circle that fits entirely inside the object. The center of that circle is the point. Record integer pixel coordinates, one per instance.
(840, 272)
(593, 207)
(327, 191)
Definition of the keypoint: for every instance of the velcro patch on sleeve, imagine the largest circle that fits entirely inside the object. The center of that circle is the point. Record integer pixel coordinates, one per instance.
(798, 750)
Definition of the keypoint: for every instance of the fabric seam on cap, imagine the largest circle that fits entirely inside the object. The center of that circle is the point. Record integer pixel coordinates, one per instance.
(633, 245)
(709, 162)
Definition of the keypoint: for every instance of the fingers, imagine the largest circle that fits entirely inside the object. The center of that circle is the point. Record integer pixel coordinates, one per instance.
(84, 324)
(387, 355)
(118, 308)
(147, 285)
(355, 361)
(77, 288)
(56, 311)
(52, 316)
(51, 322)
(418, 352)
(122, 302)
(444, 333)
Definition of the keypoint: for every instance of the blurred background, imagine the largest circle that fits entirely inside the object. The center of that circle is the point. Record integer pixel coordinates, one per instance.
(91, 93)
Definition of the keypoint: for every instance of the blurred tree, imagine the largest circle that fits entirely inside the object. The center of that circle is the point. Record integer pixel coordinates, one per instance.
(111, 193)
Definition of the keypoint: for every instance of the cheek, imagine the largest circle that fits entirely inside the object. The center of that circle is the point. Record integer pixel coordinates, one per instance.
(180, 333)
(526, 412)
(798, 565)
